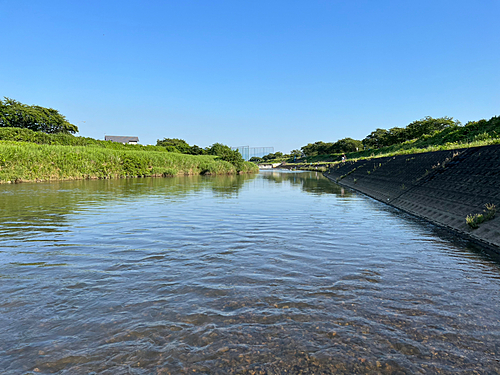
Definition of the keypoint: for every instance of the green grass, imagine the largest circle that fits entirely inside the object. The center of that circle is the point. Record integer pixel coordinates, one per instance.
(62, 139)
(406, 148)
(474, 134)
(22, 161)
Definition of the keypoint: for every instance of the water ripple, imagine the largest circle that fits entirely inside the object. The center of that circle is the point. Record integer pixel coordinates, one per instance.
(278, 274)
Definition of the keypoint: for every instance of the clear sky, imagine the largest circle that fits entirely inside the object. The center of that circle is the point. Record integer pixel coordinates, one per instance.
(278, 73)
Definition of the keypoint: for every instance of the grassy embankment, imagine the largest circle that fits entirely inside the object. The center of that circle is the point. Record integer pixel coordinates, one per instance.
(27, 161)
(480, 133)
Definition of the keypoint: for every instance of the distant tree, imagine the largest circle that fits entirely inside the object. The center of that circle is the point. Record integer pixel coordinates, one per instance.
(377, 138)
(317, 148)
(296, 153)
(48, 120)
(255, 159)
(396, 135)
(225, 153)
(347, 145)
(273, 156)
(429, 125)
(269, 156)
(180, 144)
(196, 150)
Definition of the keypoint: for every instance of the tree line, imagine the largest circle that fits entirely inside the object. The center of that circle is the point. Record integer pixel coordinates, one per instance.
(382, 137)
(218, 149)
(14, 114)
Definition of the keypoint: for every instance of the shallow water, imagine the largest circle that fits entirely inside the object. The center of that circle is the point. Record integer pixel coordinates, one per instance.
(279, 273)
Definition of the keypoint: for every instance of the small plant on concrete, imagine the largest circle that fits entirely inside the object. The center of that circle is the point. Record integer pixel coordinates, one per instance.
(490, 211)
(473, 221)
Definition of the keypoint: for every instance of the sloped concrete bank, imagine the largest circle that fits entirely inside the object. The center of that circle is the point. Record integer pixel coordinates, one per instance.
(442, 187)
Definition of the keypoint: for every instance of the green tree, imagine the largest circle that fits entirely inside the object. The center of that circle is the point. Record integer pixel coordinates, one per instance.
(347, 145)
(377, 138)
(180, 144)
(15, 114)
(269, 156)
(396, 135)
(317, 148)
(225, 153)
(196, 150)
(429, 125)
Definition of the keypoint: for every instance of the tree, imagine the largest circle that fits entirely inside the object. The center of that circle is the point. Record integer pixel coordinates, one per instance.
(347, 145)
(225, 153)
(396, 135)
(269, 156)
(296, 153)
(15, 114)
(196, 150)
(317, 148)
(429, 125)
(377, 138)
(180, 144)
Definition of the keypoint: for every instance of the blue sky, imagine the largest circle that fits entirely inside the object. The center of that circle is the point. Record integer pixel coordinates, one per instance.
(257, 73)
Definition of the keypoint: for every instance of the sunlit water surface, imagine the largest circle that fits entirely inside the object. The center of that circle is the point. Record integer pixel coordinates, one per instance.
(279, 273)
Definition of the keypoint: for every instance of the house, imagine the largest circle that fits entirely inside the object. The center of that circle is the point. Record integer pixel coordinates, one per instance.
(120, 139)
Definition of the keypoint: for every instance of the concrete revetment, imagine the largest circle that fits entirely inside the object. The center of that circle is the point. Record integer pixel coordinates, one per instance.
(443, 187)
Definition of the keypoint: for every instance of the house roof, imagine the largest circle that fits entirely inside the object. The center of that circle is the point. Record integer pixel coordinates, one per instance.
(120, 139)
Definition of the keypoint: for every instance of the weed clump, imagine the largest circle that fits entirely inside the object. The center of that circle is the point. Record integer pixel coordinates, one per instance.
(489, 212)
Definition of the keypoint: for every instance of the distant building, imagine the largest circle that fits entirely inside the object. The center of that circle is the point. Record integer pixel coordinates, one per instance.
(124, 140)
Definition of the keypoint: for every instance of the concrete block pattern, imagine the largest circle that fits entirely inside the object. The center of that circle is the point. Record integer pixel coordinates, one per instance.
(442, 187)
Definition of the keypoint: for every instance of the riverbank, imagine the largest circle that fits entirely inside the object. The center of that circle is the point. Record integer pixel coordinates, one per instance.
(443, 187)
(29, 162)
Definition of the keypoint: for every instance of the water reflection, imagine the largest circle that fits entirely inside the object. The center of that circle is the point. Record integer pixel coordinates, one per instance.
(44, 207)
(310, 182)
(235, 275)
(229, 186)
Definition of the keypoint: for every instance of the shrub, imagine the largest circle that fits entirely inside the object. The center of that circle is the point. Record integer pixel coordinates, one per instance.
(474, 220)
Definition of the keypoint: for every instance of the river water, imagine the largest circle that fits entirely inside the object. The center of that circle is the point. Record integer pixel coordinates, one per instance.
(276, 273)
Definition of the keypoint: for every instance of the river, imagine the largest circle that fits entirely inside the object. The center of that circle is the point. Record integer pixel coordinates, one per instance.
(275, 273)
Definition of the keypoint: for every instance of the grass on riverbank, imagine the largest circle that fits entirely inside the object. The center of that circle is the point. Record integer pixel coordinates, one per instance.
(406, 148)
(63, 139)
(21, 161)
(473, 134)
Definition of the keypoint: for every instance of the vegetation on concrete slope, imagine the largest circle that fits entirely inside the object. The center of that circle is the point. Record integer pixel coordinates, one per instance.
(488, 213)
(430, 135)
(21, 161)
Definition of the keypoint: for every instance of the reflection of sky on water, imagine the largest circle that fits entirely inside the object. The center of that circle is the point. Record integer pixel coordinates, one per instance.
(310, 182)
(272, 272)
(44, 207)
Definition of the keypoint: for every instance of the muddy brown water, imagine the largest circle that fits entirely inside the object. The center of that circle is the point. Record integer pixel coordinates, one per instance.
(278, 273)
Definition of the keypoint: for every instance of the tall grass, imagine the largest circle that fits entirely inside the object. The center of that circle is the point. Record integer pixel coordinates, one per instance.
(63, 139)
(21, 161)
